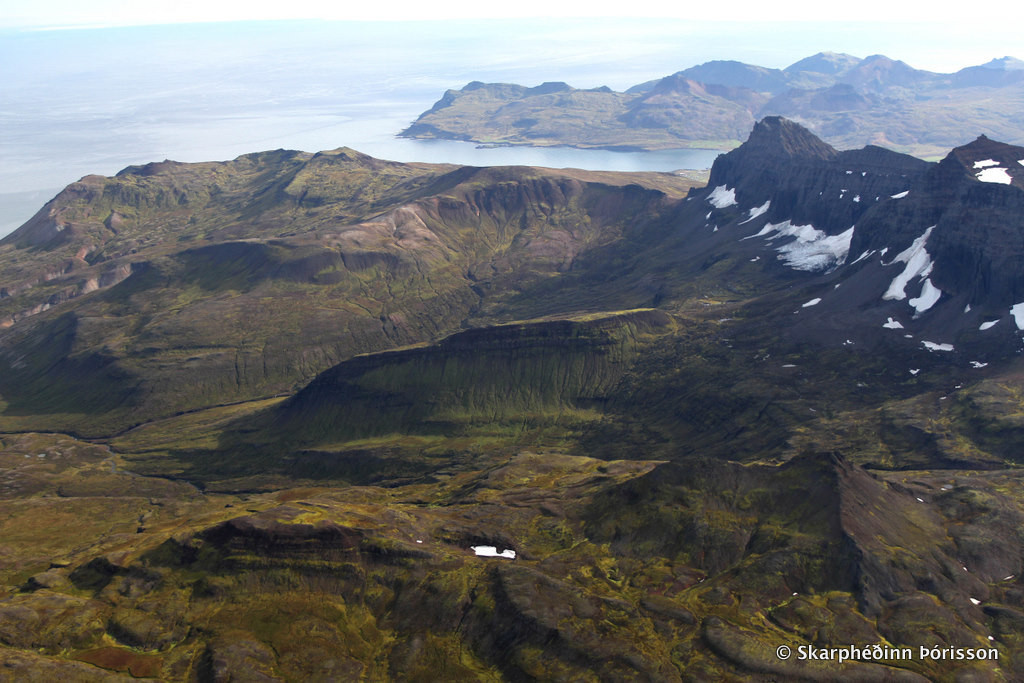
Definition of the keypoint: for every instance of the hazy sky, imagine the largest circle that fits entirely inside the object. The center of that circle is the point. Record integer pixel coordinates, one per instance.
(56, 13)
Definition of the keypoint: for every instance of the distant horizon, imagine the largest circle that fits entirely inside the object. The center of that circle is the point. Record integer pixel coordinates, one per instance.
(888, 38)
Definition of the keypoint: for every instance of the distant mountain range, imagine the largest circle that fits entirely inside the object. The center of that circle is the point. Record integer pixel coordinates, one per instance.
(847, 101)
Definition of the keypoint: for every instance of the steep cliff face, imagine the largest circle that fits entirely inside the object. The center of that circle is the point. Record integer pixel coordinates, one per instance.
(899, 244)
(559, 373)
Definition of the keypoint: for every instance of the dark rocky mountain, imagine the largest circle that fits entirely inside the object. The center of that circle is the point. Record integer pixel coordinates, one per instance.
(334, 417)
(847, 101)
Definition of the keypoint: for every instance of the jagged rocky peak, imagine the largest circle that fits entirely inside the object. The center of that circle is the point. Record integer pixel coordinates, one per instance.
(778, 136)
(769, 154)
(794, 176)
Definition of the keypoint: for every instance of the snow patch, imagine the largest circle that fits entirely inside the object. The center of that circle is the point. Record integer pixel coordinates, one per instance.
(721, 197)
(812, 302)
(863, 256)
(975, 601)
(985, 163)
(1017, 311)
(987, 326)
(824, 252)
(977, 365)
(891, 324)
(901, 195)
(967, 308)
(995, 175)
(929, 295)
(813, 250)
(932, 346)
(919, 264)
(856, 198)
(914, 371)
(491, 551)
(758, 211)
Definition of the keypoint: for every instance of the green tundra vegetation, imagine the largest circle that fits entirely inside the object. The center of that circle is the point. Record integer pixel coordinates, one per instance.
(256, 415)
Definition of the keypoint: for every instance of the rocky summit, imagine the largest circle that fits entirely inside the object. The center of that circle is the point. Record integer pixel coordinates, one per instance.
(326, 417)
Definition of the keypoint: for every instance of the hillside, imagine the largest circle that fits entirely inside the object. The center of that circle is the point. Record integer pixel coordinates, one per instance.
(296, 417)
(847, 101)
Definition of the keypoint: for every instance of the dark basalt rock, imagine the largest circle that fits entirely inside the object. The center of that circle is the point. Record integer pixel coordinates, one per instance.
(977, 242)
(808, 181)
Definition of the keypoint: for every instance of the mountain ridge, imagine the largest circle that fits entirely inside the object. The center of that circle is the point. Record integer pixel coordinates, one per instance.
(847, 101)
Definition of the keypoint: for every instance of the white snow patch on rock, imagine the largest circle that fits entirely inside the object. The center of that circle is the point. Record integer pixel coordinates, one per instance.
(985, 163)
(721, 197)
(987, 326)
(812, 302)
(491, 551)
(891, 324)
(758, 211)
(901, 195)
(813, 250)
(995, 175)
(919, 264)
(929, 295)
(978, 365)
(933, 346)
(1017, 311)
(823, 252)
(975, 601)
(967, 308)
(863, 256)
